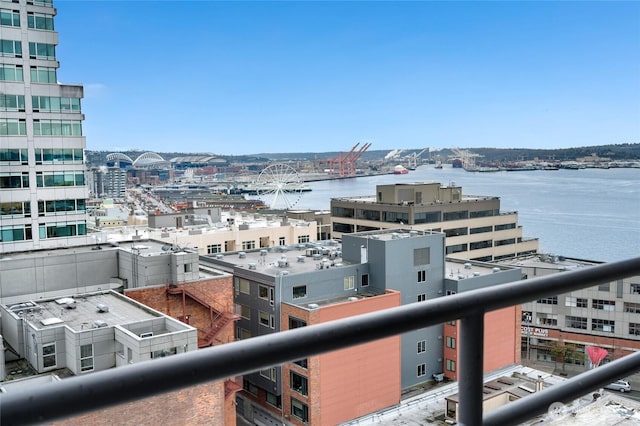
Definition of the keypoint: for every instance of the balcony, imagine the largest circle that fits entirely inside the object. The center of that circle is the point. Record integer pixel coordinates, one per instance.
(131, 382)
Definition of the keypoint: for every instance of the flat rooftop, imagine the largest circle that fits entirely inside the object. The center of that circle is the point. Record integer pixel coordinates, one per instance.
(548, 261)
(55, 312)
(457, 269)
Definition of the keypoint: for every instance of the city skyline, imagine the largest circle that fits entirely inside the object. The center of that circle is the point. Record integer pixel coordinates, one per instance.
(243, 78)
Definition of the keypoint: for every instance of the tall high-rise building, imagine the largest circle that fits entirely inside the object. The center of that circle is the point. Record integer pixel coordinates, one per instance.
(42, 181)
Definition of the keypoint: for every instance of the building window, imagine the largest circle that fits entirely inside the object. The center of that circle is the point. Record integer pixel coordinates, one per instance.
(49, 355)
(456, 248)
(301, 363)
(480, 230)
(188, 267)
(281, 241)
(364, 280)
(16, 209)
(635, 288)
(266, 319)
(505, 226)
(395, 217)
(455, 232)
(422, 297)
(426, 217)
(548, 300)
(13, 156)
(12, 103)
(422, 276)
(248, 245)
(42, 51)
(303, 239)
(299, 410)
(245, 312)
(477, 245)
(578, 302)
(55, 104)
(296, 323)
(274, 400)
(422, 370)
(299, 291)
(242, 333)
(269, 373)
(450, 292)
(243, 285)
(604, 287)
(250, 387)
(464, 214)
(86, 358)
(451, 342)
(633, 308)
(40, 21)
(349, 282)
(299, 383)
(607, 326)
(576, 322)
(263, 292)
(164, 352)
(9, 18)
(506, 242)
(214, 248)
(634, 328)
(450, 365)
(11, 73)
(422, 346)
(547, 319)
(368, 214)
(603, 305)
(13, 127)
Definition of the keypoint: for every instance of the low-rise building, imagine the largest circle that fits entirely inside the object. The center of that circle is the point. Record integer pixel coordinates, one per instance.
(475, 226)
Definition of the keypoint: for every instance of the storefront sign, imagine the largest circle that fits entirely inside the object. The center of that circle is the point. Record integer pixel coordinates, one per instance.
(534, 331)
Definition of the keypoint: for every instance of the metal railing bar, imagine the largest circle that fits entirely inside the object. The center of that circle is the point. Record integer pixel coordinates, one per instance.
(110, 387)
(470, 377)
(536, 404)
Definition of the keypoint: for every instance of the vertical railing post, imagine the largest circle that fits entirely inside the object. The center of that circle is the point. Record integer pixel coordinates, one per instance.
(470, 368)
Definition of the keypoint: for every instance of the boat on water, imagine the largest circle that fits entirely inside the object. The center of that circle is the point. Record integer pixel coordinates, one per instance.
(400, 170)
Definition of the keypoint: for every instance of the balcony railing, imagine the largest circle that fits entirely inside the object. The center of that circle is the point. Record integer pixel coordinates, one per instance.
(77, 395)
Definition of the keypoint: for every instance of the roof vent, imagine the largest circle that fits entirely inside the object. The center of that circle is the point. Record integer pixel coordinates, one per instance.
(476, 273)
(99, 324)
(317, 256)
(300, 259)
(496, 269)
(467, 265)
(102, 308)
(395, 236)
(313, 306)
(252, 266)
(263, 252)
(283, 262)
(352, 299)
(219, 256)
(70, 305)
(285, 272)
(413, 233)
(242, 255)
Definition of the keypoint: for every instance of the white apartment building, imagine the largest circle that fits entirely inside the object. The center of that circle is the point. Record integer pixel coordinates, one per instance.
(42, 181)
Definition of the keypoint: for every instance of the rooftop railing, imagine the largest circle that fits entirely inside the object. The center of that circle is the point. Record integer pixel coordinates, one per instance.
(76, 395)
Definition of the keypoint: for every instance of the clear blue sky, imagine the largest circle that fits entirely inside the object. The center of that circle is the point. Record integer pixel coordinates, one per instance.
(244, 77)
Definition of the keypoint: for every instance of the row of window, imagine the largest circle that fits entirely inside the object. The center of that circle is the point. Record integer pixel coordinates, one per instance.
(9, 72)
(599, 304)
(60, 229)
(19, 156)
(45, 208)
(420, 217)
(18, 127)
(38, 21)
(43, 179)
(40, 103)
(13, 48)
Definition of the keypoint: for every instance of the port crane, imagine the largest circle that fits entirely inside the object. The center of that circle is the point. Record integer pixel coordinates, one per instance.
(413, 159)
(344, 165)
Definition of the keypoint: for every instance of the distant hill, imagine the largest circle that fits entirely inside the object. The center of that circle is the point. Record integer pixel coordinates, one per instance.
(615, 152)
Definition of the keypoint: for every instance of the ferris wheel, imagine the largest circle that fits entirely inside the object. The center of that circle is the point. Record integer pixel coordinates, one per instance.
(279, 186)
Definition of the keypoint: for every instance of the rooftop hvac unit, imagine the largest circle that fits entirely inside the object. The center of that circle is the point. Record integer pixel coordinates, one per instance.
(317, 256)
(313, 306)
(300, 259)
(496, 269)
(252, 266)
(263, 252)
(395, 236)
(467, 265)
(283, 263)
(476, 273)
(99, 324)
(352, 299)
(413, 233)
(70, 305)
(242, 255)
(219, 256)
(102, 308)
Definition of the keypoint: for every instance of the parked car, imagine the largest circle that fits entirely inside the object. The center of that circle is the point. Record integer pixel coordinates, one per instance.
(619, 385)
